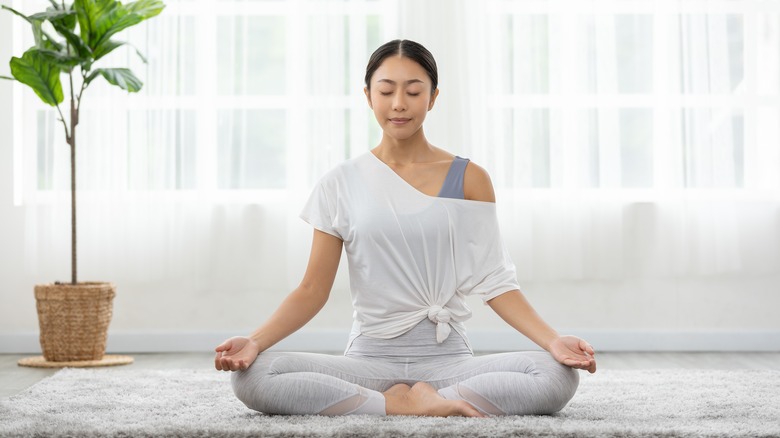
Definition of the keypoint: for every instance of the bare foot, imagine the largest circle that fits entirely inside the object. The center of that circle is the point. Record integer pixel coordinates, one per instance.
(423, 399)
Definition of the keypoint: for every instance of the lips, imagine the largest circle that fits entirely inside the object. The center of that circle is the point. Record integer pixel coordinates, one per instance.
(399, 120)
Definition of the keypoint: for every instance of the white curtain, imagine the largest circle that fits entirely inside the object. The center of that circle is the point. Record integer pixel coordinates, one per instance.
(625, 141)
(193, 185)
(637, 142)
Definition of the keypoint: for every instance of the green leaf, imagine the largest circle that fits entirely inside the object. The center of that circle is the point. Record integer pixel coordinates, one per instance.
(110, 45)
(35, 71)
(62, 60)
(6, 77)
(55, 4)
(52, 15)
(14, 11)
(70, 20)
(75, 41)
(99, 20)
(87, 12)
(64, 17)
(114, 23)
(140, 55)
(121, 77)
(42, 39)
(146, 8)
(105, 48)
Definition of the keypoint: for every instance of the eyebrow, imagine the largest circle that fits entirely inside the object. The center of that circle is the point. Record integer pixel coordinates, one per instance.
(410, 81)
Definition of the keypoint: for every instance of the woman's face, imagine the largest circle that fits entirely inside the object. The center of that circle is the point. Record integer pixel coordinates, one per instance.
(400, 96)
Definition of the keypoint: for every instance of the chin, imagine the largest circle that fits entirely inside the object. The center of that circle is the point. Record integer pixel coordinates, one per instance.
(401, 134)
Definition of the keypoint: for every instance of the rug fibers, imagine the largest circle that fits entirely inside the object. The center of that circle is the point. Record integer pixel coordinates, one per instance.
(200, 403)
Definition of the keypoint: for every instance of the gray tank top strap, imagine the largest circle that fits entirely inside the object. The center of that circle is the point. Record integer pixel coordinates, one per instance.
(453, 183)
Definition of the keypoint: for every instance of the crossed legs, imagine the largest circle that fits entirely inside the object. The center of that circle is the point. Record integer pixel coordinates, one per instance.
(499, 384)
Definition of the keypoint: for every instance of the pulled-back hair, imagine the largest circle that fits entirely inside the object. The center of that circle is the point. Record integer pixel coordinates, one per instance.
(408, 49)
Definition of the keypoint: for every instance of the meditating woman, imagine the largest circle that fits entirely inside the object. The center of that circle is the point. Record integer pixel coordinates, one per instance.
(420, 231)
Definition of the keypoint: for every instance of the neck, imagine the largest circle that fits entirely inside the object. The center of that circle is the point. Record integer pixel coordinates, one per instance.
(414, 149)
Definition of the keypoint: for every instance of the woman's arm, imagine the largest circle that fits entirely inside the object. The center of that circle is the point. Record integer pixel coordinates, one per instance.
(300, 306)
(513, 308)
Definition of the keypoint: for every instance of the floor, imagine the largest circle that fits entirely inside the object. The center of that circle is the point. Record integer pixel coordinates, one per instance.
(14, 379)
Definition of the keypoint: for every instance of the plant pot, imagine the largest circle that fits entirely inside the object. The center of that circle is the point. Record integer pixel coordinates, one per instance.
(74, 320)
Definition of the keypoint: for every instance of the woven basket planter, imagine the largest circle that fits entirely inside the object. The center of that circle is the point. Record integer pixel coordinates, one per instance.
(74, 320)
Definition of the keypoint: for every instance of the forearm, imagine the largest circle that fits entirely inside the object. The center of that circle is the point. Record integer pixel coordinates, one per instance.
(295, 311)
(513, 308)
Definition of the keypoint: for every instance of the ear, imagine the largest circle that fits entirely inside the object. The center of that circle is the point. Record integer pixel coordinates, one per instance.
(433, 99)
(368, 97)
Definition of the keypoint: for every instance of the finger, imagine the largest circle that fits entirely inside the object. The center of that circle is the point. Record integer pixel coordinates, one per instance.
(217, 362)
(226, 364)
(224, 346)
(592, 367)
(585, 347)
(578, 364)
(572, 363)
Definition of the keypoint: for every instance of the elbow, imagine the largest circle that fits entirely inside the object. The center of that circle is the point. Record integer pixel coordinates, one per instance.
(314, 293)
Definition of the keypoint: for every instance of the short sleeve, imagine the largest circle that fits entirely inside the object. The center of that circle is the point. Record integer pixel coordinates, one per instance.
(483, 264)
(496, 275)
(321, 210)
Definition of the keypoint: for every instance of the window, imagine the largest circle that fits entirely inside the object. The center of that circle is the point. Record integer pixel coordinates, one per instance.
(239, 96)
(634, 95)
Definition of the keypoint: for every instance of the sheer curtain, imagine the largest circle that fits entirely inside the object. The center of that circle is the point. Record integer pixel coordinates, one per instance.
(628, 139)
(191, 188)
(625, 139)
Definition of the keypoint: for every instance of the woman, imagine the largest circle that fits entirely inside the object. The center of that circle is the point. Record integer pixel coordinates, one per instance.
(420, 231)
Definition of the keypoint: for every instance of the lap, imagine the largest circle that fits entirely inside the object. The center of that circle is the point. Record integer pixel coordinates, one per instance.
(380, 375)
(367, 373)
(534, 364)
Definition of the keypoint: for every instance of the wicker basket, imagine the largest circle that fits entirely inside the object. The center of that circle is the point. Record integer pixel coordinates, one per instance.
(74, 320)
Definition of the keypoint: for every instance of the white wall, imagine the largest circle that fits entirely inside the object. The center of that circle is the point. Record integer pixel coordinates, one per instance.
(174, 309)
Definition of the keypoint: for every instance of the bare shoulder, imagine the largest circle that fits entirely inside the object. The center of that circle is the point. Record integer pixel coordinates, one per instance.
(477, 185)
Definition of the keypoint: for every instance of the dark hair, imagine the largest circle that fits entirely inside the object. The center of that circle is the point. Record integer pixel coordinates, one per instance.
(406, 48)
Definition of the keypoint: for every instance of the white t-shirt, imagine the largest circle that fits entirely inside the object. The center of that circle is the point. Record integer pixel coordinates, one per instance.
(411, 256)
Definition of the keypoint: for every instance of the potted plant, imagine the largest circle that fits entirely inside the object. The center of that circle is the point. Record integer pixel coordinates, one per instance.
(74, 317)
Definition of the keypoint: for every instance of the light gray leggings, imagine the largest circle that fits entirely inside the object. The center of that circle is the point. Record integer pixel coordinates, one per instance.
(497, 384)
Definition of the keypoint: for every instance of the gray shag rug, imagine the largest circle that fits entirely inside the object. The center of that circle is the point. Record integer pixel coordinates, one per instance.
(200, 403)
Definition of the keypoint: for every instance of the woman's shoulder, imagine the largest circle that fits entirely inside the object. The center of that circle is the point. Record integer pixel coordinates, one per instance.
(476, 180)
(477, 185)
(344, 172)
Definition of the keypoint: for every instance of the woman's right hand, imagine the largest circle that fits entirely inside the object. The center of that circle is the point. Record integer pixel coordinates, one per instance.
(236, 354)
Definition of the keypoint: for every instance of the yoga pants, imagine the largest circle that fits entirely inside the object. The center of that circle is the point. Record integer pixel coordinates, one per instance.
(497, 384)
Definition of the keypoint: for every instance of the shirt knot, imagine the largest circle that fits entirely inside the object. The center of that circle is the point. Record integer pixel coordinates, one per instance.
(442, 318)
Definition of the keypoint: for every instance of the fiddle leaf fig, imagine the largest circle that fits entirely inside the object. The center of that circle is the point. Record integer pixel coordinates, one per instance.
(40, 66)
(35, 70)
(99, 20)
(121, 77)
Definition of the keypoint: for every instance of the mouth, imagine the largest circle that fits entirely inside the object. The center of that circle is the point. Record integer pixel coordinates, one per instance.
(399, 120)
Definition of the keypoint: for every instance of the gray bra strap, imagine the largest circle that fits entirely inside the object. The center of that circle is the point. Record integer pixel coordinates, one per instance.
(453, 183)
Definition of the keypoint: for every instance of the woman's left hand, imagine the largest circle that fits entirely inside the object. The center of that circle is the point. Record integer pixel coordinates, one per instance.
(574, 352)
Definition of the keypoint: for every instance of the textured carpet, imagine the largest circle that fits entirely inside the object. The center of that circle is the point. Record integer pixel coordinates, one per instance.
(189, 403)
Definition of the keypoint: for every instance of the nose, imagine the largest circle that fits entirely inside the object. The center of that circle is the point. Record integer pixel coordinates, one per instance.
(399, 102)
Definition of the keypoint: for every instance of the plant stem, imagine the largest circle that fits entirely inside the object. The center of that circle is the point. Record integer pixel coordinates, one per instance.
(64, 124)
(74, 120)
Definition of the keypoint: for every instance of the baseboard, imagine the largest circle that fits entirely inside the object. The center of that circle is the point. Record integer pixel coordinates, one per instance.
(482, 340)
